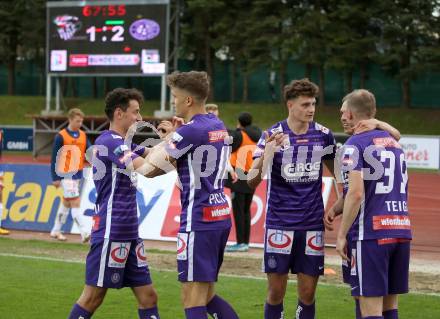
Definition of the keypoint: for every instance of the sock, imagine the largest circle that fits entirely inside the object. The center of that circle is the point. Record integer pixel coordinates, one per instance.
(373, 317)
(78, 312)
(390, 314)
(304, 311)
(220, 309)
(150, 313)
(196, 313)
(60, 218)
(358, 309)
(273, 311)
(77, 217)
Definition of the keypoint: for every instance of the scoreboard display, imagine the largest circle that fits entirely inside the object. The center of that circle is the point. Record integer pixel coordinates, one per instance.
(107, 37)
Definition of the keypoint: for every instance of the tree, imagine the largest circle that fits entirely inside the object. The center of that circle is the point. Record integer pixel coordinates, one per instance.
(408, 39)
(22, 25)
(311, 37)
(354, 36)
(197, 33)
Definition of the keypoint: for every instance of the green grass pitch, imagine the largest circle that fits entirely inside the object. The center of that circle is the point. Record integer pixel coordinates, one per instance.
(34, 287)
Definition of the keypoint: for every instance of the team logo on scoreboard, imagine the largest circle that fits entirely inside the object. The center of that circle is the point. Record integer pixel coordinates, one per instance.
(144, 29)
(67, 26)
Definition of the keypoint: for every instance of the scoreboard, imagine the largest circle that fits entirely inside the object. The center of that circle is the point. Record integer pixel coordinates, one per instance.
(107, 37)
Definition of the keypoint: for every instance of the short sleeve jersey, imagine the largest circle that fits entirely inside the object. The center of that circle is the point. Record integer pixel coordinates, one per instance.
(202, 151)
(116, 215)
(294, 187)
(384, 207)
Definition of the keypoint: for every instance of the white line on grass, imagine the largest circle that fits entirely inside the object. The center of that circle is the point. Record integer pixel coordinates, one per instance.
(75, 261)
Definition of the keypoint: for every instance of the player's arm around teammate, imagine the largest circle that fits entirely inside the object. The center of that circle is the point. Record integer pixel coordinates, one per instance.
(200, 153)
(117, 257)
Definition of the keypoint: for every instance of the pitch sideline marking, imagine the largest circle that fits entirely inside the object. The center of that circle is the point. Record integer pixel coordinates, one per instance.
(74, 261)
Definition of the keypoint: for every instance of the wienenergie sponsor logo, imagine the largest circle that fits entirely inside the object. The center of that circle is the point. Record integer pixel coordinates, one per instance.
(391, 222)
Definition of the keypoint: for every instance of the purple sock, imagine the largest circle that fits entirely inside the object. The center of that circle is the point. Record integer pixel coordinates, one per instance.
(305, 311)
(220, 309)
(150, 313)
(373, 317)
(196, 313)
(390, 314)
(273, 311)
(79, 312)
(358, 309)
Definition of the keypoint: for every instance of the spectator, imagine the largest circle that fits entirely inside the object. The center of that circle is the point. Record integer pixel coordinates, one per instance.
(245, 138)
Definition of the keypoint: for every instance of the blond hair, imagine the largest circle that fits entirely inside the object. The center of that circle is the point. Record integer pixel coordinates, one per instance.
(211, 107)
(75, 112)
(361, 102)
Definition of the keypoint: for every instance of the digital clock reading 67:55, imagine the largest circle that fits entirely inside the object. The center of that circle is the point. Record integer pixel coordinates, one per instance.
(110, 10)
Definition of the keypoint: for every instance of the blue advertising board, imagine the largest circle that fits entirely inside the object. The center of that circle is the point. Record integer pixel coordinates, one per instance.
(17, 138)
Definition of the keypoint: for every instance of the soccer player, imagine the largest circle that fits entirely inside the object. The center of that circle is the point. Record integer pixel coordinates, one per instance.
(375, 211)
(212, 108)
(292, 153)
(337, 208)
(68, 155)
(117, 257)
(201, 153)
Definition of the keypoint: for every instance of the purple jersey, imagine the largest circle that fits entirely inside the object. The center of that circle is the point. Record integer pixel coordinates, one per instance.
(384, 208)
(202, 154)
(116, 207)
(294, 186)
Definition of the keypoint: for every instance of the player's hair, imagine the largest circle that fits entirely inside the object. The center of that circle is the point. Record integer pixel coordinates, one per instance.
(74, 112)
(361, 102)
(120, 98)
(303, 87)
(245, 119)
(211, 107)
(194, 82)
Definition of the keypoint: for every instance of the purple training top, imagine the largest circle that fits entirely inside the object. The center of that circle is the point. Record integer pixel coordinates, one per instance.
(116, 207)
(384, 208)
(202, 154)
(294, 186)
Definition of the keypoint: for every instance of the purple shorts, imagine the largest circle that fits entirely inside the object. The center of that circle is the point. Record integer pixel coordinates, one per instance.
(346, 267)
(300, 251)
(117, 264)
(381, 267)
(200, 254)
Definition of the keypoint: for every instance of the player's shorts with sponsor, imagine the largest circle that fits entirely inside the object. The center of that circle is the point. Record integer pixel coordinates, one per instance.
(200, 254)
(380, 268)
(300, 251)
(347, 266)
(71, 188)
(117, 264)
